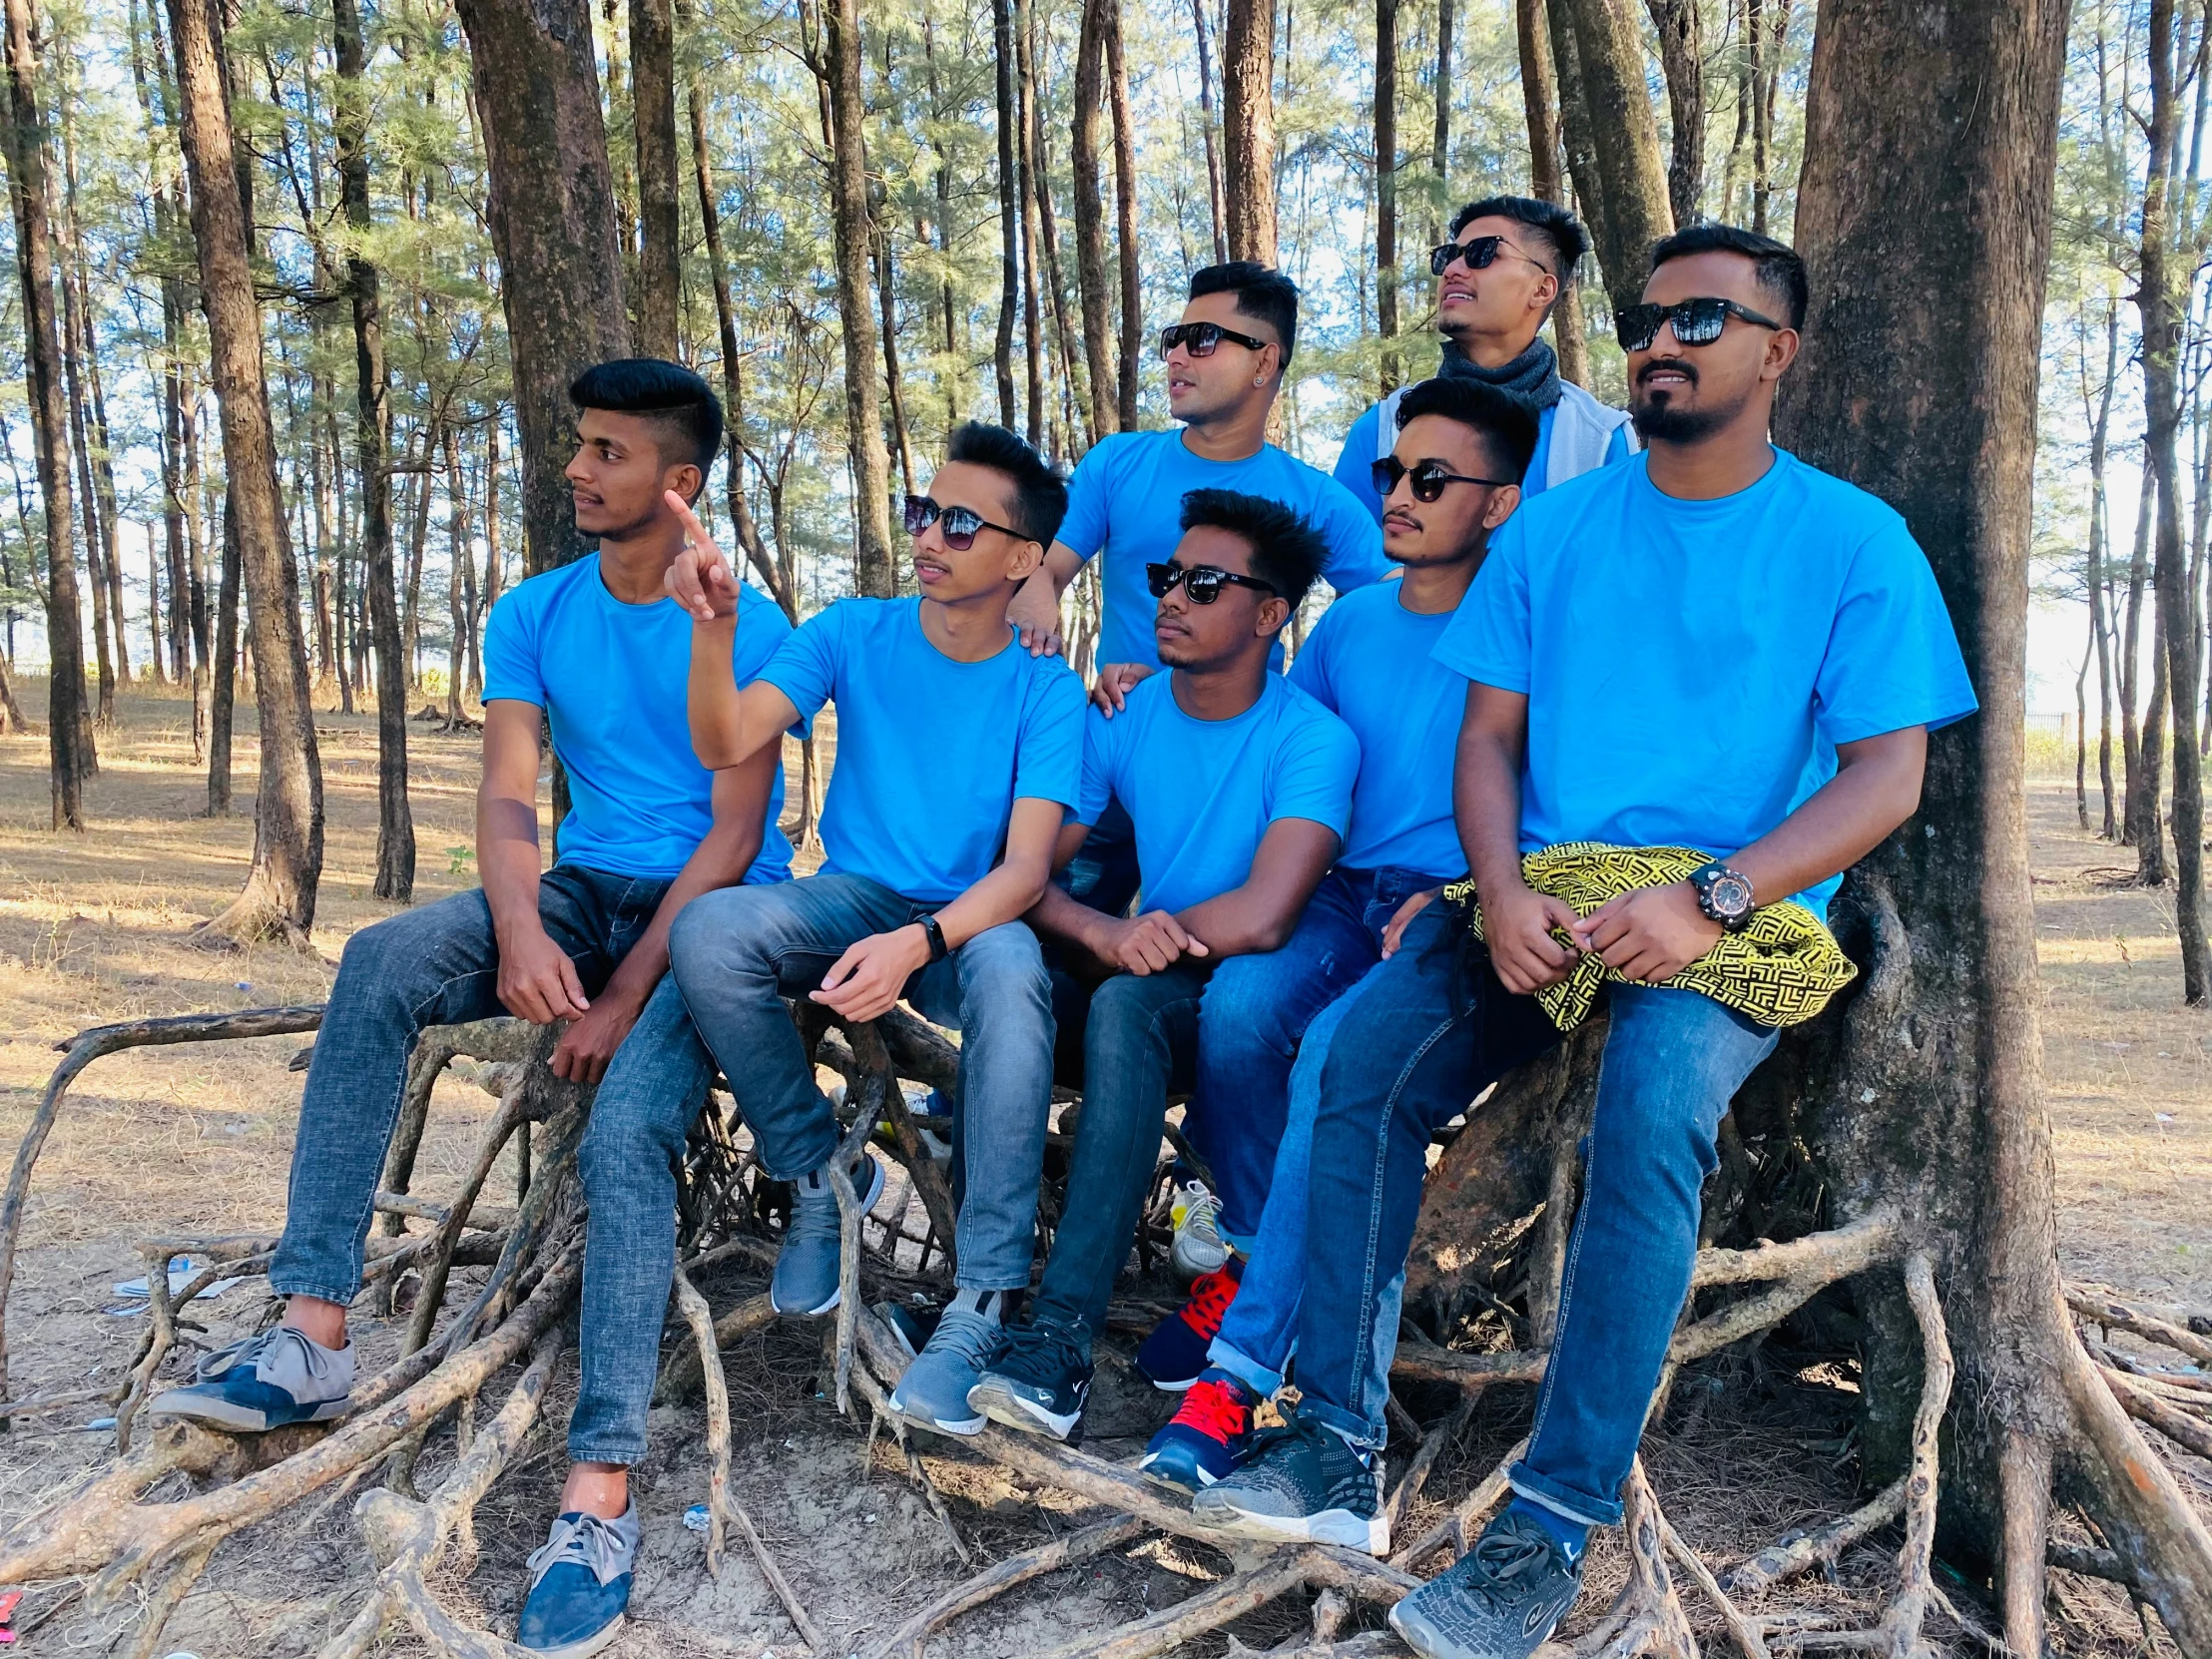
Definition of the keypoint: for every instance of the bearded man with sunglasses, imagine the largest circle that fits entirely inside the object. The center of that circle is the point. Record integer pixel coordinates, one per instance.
(1714, 652)
(1239, 787)
(957, 755)
(1508, 261)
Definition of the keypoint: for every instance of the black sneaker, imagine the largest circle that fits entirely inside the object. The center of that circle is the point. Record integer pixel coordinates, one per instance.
(1300, 1483)
(1502, 1599)
(1039, 1383)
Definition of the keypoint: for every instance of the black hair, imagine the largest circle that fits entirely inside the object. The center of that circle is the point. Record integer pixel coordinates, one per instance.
(1287, 552)
(667, 394)
(1263, 292)
(1040, 492)
(1781, 272)
(1504, 422)
(1558, 229)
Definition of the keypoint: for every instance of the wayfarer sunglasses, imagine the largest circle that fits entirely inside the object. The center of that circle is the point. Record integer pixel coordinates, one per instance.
(1427, 478)
(1199, 338)
(1480, 253)
(958, 524)
(1694, 322)
(1203, 583)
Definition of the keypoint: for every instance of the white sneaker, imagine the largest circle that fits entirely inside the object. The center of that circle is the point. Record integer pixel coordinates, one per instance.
(1199, 1248)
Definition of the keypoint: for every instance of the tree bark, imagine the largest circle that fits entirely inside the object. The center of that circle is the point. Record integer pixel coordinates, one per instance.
(222, 692)
(459, 569)
(1025, 172)
(2099, 544)
(1247, 130)
(1009, 213)
(1540, 102)
(1575, 132)
(1682, 61)
(1125, 214)
(1385, 190)
(1214, 210)
(2131, 728)
(1440, 147)
(1090, 215)
(279, 895)
(653, 110)
(67, 745)
(1950, 116)
(551, 211)
(886, 290)
(1074, 381)
(1609, 63)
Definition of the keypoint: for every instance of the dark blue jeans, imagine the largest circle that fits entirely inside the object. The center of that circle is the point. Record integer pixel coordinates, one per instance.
(1426, 1034)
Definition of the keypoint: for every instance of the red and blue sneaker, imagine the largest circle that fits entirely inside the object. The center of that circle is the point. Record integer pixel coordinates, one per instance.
(1206, 1436)
(1175, 1354)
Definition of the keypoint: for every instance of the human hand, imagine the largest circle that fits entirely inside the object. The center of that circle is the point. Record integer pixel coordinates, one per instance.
(1035, 610)
(1115, 682)
(1650, 934)
(537, 981)
(587, 1046)
(1393, 931)
(701, 579)
(1517, 925)
(1148, 943)
(865, 982)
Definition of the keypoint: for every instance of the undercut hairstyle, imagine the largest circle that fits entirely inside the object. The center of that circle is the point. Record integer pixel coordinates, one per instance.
(1556, 232)
(1263, 294)
(1287, 552)
(1781, 272)
(1040, 491)
(1504, 422)
(684, 411)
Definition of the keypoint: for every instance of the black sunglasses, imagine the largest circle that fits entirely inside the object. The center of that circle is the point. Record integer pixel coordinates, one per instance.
(1202, 582)
(1427, 478)
(1480, 253)
(960, 524)
(1202, 338)
(1694, 322)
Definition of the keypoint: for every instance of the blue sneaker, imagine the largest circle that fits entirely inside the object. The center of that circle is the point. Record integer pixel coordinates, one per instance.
(1208, 1435)
(933, 1393)
(1300, 1483)
(805, 1281)
(1175, 1353)
(1039, 1383)
(1502, 1600)
(266, 1382)
(578, 1586)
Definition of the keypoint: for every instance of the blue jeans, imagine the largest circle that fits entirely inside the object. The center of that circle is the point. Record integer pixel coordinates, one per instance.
(1410, 1052)
(738, 952)
(1256, 1013)
(439, 965)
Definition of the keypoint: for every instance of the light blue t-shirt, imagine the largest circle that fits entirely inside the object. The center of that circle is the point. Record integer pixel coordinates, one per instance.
(1368, 662)
(1691, 666)
(1203, 792)
(612, 679)
(1355, 460)
(931, 754)
(1126, 499)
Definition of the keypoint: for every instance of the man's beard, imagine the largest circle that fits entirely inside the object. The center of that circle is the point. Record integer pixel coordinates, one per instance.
(1660, 419)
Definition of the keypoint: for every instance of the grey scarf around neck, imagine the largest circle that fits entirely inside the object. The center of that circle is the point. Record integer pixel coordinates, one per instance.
(1533, 377)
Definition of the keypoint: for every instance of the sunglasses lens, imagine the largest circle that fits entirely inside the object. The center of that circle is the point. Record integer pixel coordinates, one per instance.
(958, 527)
(1161, 578)
(1439, 258)
(1481, 253)
(1386, 473)
(1636, 327)
(921, 511)
(1204, 336)
(1203, 585)
(1427, 481)
(1699, 322)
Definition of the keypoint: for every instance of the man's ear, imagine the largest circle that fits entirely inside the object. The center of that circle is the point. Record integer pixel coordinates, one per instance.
(1273, 614)
(1501, 506)
(1782, 350)
(1024, 561)
(686, 480)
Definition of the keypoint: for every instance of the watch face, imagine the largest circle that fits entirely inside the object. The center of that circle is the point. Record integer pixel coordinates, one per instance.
(1729, 893)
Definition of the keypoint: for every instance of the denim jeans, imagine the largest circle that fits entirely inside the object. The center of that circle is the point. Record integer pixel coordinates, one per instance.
(739, 951)
(1256, 1013)
(439, 965)
(1409, 1052)
(1140, 1043)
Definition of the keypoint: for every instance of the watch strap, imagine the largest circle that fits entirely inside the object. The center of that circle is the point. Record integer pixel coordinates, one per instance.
(939, 950)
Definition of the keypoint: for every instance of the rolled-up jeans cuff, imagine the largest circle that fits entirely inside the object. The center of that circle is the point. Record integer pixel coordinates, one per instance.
(1369, 1436)
(1579, 1508)
(1246, 1369)
(322, 1293)
(626, 1452)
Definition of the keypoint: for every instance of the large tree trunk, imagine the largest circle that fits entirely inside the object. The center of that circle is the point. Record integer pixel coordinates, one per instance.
(223, 695)
(69, 745)
(1609, 64)
(1576, 136)
(1010, 212)
(1248, 129)
(1439, 147)
(1540, 101)
(279, 895)
(652, 109)
(1214, 210)
(551, 210)
(1074, 398)
(1090, 216)
(1682, 60)
(1385, 188)
(1125, 211)
(1025, 172)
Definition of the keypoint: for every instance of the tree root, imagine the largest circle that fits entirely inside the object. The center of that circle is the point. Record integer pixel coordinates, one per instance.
(2118, 1316)
(1797, 1554)
(1063, 1551)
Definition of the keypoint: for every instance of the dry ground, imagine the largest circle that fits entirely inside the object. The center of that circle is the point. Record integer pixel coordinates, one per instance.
(196, 1139)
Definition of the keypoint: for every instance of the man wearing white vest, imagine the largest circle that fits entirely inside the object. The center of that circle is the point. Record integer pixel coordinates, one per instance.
(1508, 261)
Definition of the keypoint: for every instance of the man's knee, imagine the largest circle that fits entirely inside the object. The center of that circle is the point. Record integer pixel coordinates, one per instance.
(719, 933)
(629, 1133)
(1245, 1011)
(1003, 975)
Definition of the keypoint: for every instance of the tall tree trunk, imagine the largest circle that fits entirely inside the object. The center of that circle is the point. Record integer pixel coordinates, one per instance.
(1025, 166)
(1131, 338)
(653, 110)
(1541, 103)
(2100, 547)
(1010, 212)
(886, 289)
(1440, 147)
(222, 692)
(1385, 190)
(1576, 137)
(1766, 41)
(410, 613)
(1947, 114)
(1248, 129)
(99, 450)
(1090, 215)
(74, 352)
(2081, 730)
(1216, 213)
(1682, 60)
(551, 210)
(1609, 63)
(495, 560)
(196, 531)
(279, 895)
(1073, 380)
(2131, 657)
(458, 569)
(2150, 823)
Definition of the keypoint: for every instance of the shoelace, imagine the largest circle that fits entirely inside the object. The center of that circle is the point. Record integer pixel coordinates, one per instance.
(1042, 1353)
(1496, 1569)
(968, 1337)
(586, 1540)
(814, 1213)
(1199, 1214)
(1208, 1303)
(1216, 1409)
(248, 1352)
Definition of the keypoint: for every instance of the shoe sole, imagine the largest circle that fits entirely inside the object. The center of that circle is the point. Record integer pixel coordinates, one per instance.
(867, 1203)
(1174, 1483)
(1178, 1263)
(226, 1414)
(1002, 1406)
(591, 1644)
(1331, 1527)
(1181, 1388)
(966, 1427)
(1430, 1643)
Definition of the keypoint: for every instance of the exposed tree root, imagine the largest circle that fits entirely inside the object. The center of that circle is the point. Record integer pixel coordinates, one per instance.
(1063, 1551)
(1797, 1554)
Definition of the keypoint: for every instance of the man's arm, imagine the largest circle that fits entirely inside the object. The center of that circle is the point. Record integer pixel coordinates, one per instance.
(1486, 803)
(865, 982)
(741, 797)
(1035, 609)
(1655, 933)
(536, 979)
(1261, 914)
(730, 725)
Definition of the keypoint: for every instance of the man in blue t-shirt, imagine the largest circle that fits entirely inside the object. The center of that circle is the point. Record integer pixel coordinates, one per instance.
(1509, 259)
(1715, 647)
(958, 754)
(1460, 447)
(595, 651)
(1239, 787)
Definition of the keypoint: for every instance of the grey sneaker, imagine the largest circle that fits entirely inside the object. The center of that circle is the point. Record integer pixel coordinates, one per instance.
(934, 1392)
(806, 1282)
(1199, 1248)
(264, 1381)
(1300, 1483)
(1502, 1599)
(578, 1586)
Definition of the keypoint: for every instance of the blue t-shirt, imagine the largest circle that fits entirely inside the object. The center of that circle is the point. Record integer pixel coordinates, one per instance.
(1691, 666)
(612, 679)
(931, 754)
(1126, 499)
(1355, 460)
(1368, 662)
(1202, 793)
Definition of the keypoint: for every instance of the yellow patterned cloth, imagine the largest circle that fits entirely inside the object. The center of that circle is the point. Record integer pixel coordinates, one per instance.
(1779, 970)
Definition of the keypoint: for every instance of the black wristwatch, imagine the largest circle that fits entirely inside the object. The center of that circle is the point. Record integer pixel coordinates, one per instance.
(937, 947)
(1724, 895)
